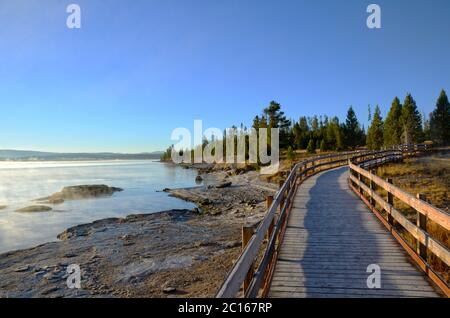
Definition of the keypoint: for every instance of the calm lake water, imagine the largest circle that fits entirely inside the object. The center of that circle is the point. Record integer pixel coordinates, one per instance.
(22, 182)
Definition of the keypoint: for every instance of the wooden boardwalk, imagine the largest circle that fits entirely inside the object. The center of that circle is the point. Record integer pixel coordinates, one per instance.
(330, 241)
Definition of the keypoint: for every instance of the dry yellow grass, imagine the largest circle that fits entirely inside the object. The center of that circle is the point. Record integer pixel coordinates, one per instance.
(286, 165)
(431, 177)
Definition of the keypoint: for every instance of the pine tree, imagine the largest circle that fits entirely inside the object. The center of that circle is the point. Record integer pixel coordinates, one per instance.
(167, 155)
(375, 133)
(392, 124)
(426, 126)
(256, 123)
(275, 116)
(277, 119)
(352, 130)
(323, 146)
(290, 155)
(304, 136)
(297, 135)
(440, 120)
(311, 147)
(334, 136)
(411, 122)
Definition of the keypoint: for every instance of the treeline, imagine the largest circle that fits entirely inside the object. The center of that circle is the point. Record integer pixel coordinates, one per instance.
(403, 125)
(311, 133)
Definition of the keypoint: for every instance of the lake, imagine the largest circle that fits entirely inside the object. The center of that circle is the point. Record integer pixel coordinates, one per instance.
(22, 182)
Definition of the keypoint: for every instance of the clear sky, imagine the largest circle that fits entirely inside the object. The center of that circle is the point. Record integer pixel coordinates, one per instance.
(138, 69)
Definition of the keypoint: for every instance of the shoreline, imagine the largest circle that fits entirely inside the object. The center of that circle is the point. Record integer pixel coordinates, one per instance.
(184, 253)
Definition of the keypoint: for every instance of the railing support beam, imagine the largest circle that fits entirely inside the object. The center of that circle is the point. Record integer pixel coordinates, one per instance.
(372, 188)
(247, 233)
(269, 201)
(422, 249)
(390, 200)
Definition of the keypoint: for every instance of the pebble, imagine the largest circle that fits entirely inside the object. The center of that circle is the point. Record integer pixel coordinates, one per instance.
(55, 276)
(200, 258)
(22, 269)
(169, 290)
(232, 244)
(39, 273)
(49, 290)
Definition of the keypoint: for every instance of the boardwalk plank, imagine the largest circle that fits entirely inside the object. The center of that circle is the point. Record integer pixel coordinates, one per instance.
(330, 240)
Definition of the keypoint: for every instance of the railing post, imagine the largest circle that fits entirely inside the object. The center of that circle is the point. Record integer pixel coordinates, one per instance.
(372, 188)
(422, 224)
(283, 197)
(247, 233)
(390, 200)
(269, 201)
(359, 186)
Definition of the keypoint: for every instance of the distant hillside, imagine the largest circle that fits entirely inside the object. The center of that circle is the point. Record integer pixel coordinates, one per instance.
(26, 155)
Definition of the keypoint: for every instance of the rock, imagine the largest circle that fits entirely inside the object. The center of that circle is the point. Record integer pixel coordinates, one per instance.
(199, 178)
(76, 231)
(232, 244)
(200, 258)
(223, 185)
(55, 201)
(54, 276)
(169, 290)
(81, 192)
(127, 240)
(39, 273)
(2, 207)
(70, 255)
(49, 290)
(205, 202)
(170, 287)
(35, 208)
(204, 244)
(22, 269)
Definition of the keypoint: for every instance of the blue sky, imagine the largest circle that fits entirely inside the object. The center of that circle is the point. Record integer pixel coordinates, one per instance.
(138, 69)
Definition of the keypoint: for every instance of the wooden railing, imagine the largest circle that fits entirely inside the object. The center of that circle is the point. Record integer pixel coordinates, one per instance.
(365, 184)
(254, 268)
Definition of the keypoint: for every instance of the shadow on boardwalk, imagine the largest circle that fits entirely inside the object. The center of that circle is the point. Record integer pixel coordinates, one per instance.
(332, 239)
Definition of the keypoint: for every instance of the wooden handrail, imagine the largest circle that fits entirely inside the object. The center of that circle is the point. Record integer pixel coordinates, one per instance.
(277, 214)
(437, 215)
(433, 245)
(273, 226)
(425, 243)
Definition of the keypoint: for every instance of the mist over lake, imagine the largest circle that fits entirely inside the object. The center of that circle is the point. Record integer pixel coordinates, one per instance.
(23, 182)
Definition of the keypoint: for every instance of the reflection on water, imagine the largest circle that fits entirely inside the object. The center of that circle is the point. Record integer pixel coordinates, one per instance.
(22, 182)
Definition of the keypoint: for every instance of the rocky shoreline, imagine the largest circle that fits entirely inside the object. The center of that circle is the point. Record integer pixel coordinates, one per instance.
(177, 253)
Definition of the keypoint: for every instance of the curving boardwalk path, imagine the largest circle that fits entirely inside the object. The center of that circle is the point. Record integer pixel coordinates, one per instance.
(332, 238)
